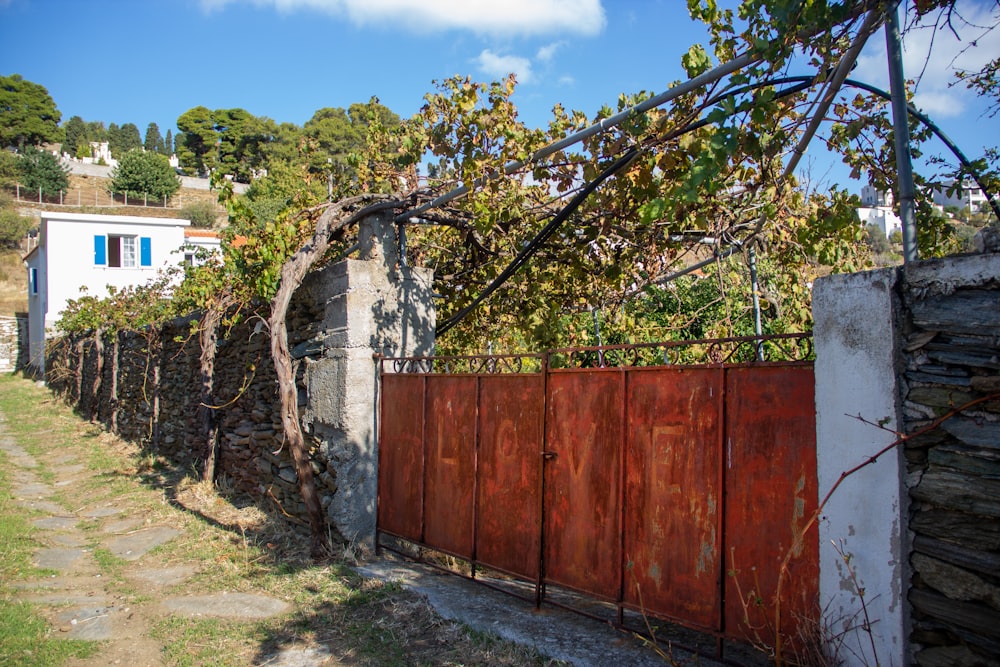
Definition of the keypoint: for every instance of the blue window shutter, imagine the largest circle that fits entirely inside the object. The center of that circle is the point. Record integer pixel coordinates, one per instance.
(100, 250)
(145, 251)
(33, 280)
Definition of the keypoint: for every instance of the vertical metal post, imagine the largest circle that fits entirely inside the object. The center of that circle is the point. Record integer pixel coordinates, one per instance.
(542, 458)
(901, 130)
(754, 287)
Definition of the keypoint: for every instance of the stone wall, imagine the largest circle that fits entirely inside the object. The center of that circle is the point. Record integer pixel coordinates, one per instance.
(13, 342)
(951, 356)
(339, 318)
(159, 394)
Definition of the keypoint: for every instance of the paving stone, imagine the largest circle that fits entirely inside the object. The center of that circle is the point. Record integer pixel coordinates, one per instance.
(135, 545)
(167, 576)
(101, 512)
(65, 598)
(89, 623)
(55, 523)
(41, 505)
(31, 490)
(58, 558)
(229, 605)
(122, 526)
(298, 657)
(67, 539)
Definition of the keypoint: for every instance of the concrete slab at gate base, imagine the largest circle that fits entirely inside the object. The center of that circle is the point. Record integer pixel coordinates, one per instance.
(862, 542)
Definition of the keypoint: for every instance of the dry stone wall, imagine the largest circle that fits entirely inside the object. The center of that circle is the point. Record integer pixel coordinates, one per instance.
(158, 396)
(951, 356)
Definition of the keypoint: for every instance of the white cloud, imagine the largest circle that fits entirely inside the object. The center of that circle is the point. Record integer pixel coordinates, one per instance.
(933, 94)
(547, 52)
(496, 66)
(510, 17)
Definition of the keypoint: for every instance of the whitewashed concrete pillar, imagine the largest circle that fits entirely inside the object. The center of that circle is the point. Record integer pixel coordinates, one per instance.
(372, 306)
(856, 341)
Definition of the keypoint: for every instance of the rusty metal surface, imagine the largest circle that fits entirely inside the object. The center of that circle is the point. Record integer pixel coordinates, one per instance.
(449, 499)
(582, 481)
(642, 485)
(771, 492)
(508, 523)
(673, 495)
(400, 456)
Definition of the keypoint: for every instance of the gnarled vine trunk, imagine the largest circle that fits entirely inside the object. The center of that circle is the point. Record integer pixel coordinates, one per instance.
(95, 390)
(332, 221)
(208, 338)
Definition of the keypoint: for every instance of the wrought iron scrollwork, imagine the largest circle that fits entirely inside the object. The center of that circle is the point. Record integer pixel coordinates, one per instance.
(778, 348)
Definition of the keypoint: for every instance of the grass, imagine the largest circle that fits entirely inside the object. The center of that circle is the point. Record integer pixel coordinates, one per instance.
(24, 636)
(234, 544)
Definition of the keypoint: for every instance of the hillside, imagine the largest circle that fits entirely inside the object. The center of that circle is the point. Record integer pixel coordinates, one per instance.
(13, 283)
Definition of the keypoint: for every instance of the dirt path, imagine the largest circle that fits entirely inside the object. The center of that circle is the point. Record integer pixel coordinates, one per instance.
(80, 600)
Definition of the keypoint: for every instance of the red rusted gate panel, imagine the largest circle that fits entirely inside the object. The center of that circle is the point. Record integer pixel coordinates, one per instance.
(451, 464)
(401, 456)
(673, 499)
(673, 490)
(771, 493)
(509, 519)
(584, 432)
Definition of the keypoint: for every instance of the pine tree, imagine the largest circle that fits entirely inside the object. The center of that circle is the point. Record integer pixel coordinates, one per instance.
(154, 141)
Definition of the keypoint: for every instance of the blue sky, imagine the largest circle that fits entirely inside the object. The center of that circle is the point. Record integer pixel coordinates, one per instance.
(142, 61)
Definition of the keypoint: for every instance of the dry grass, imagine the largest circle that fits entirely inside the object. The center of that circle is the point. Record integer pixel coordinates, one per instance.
(13, 283)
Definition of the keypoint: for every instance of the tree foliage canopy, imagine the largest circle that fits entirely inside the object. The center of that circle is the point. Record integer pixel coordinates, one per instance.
(41, 170)
(142, 173)
(28, 114)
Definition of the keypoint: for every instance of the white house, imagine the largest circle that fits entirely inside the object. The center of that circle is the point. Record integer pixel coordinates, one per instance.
(876, 209)
(80, 250)
(968, 195)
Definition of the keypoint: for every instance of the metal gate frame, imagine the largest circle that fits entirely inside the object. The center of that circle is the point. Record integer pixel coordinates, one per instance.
(504, 461)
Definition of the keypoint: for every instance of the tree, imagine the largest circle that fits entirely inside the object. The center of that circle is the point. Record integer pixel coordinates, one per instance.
(13, 226)
(140, 173)
(241, 137)
(201, 213)
(123, 139)
(75, 136)
(41, 170)
(168, 144)
(876, 239)
(196, 142)
(28, 115)
(9, 170)
(154, 141)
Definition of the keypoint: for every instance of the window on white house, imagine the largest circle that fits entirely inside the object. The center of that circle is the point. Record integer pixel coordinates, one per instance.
(121, 251)
(33, 280)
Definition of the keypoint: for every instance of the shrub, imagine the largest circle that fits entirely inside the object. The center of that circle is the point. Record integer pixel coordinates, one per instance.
(200, 213)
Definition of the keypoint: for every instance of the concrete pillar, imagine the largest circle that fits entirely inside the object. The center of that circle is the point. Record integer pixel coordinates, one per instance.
(856, 342)
(371, 306)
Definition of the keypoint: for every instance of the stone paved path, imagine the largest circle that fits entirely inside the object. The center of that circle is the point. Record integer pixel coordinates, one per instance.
(76, 598)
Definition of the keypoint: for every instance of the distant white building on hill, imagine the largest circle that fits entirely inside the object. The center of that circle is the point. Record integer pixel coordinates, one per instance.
(968, 195)
(80, 250)
(876, 209)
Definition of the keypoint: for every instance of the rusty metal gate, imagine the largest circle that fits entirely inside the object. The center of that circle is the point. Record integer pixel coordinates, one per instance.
(669, 479)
